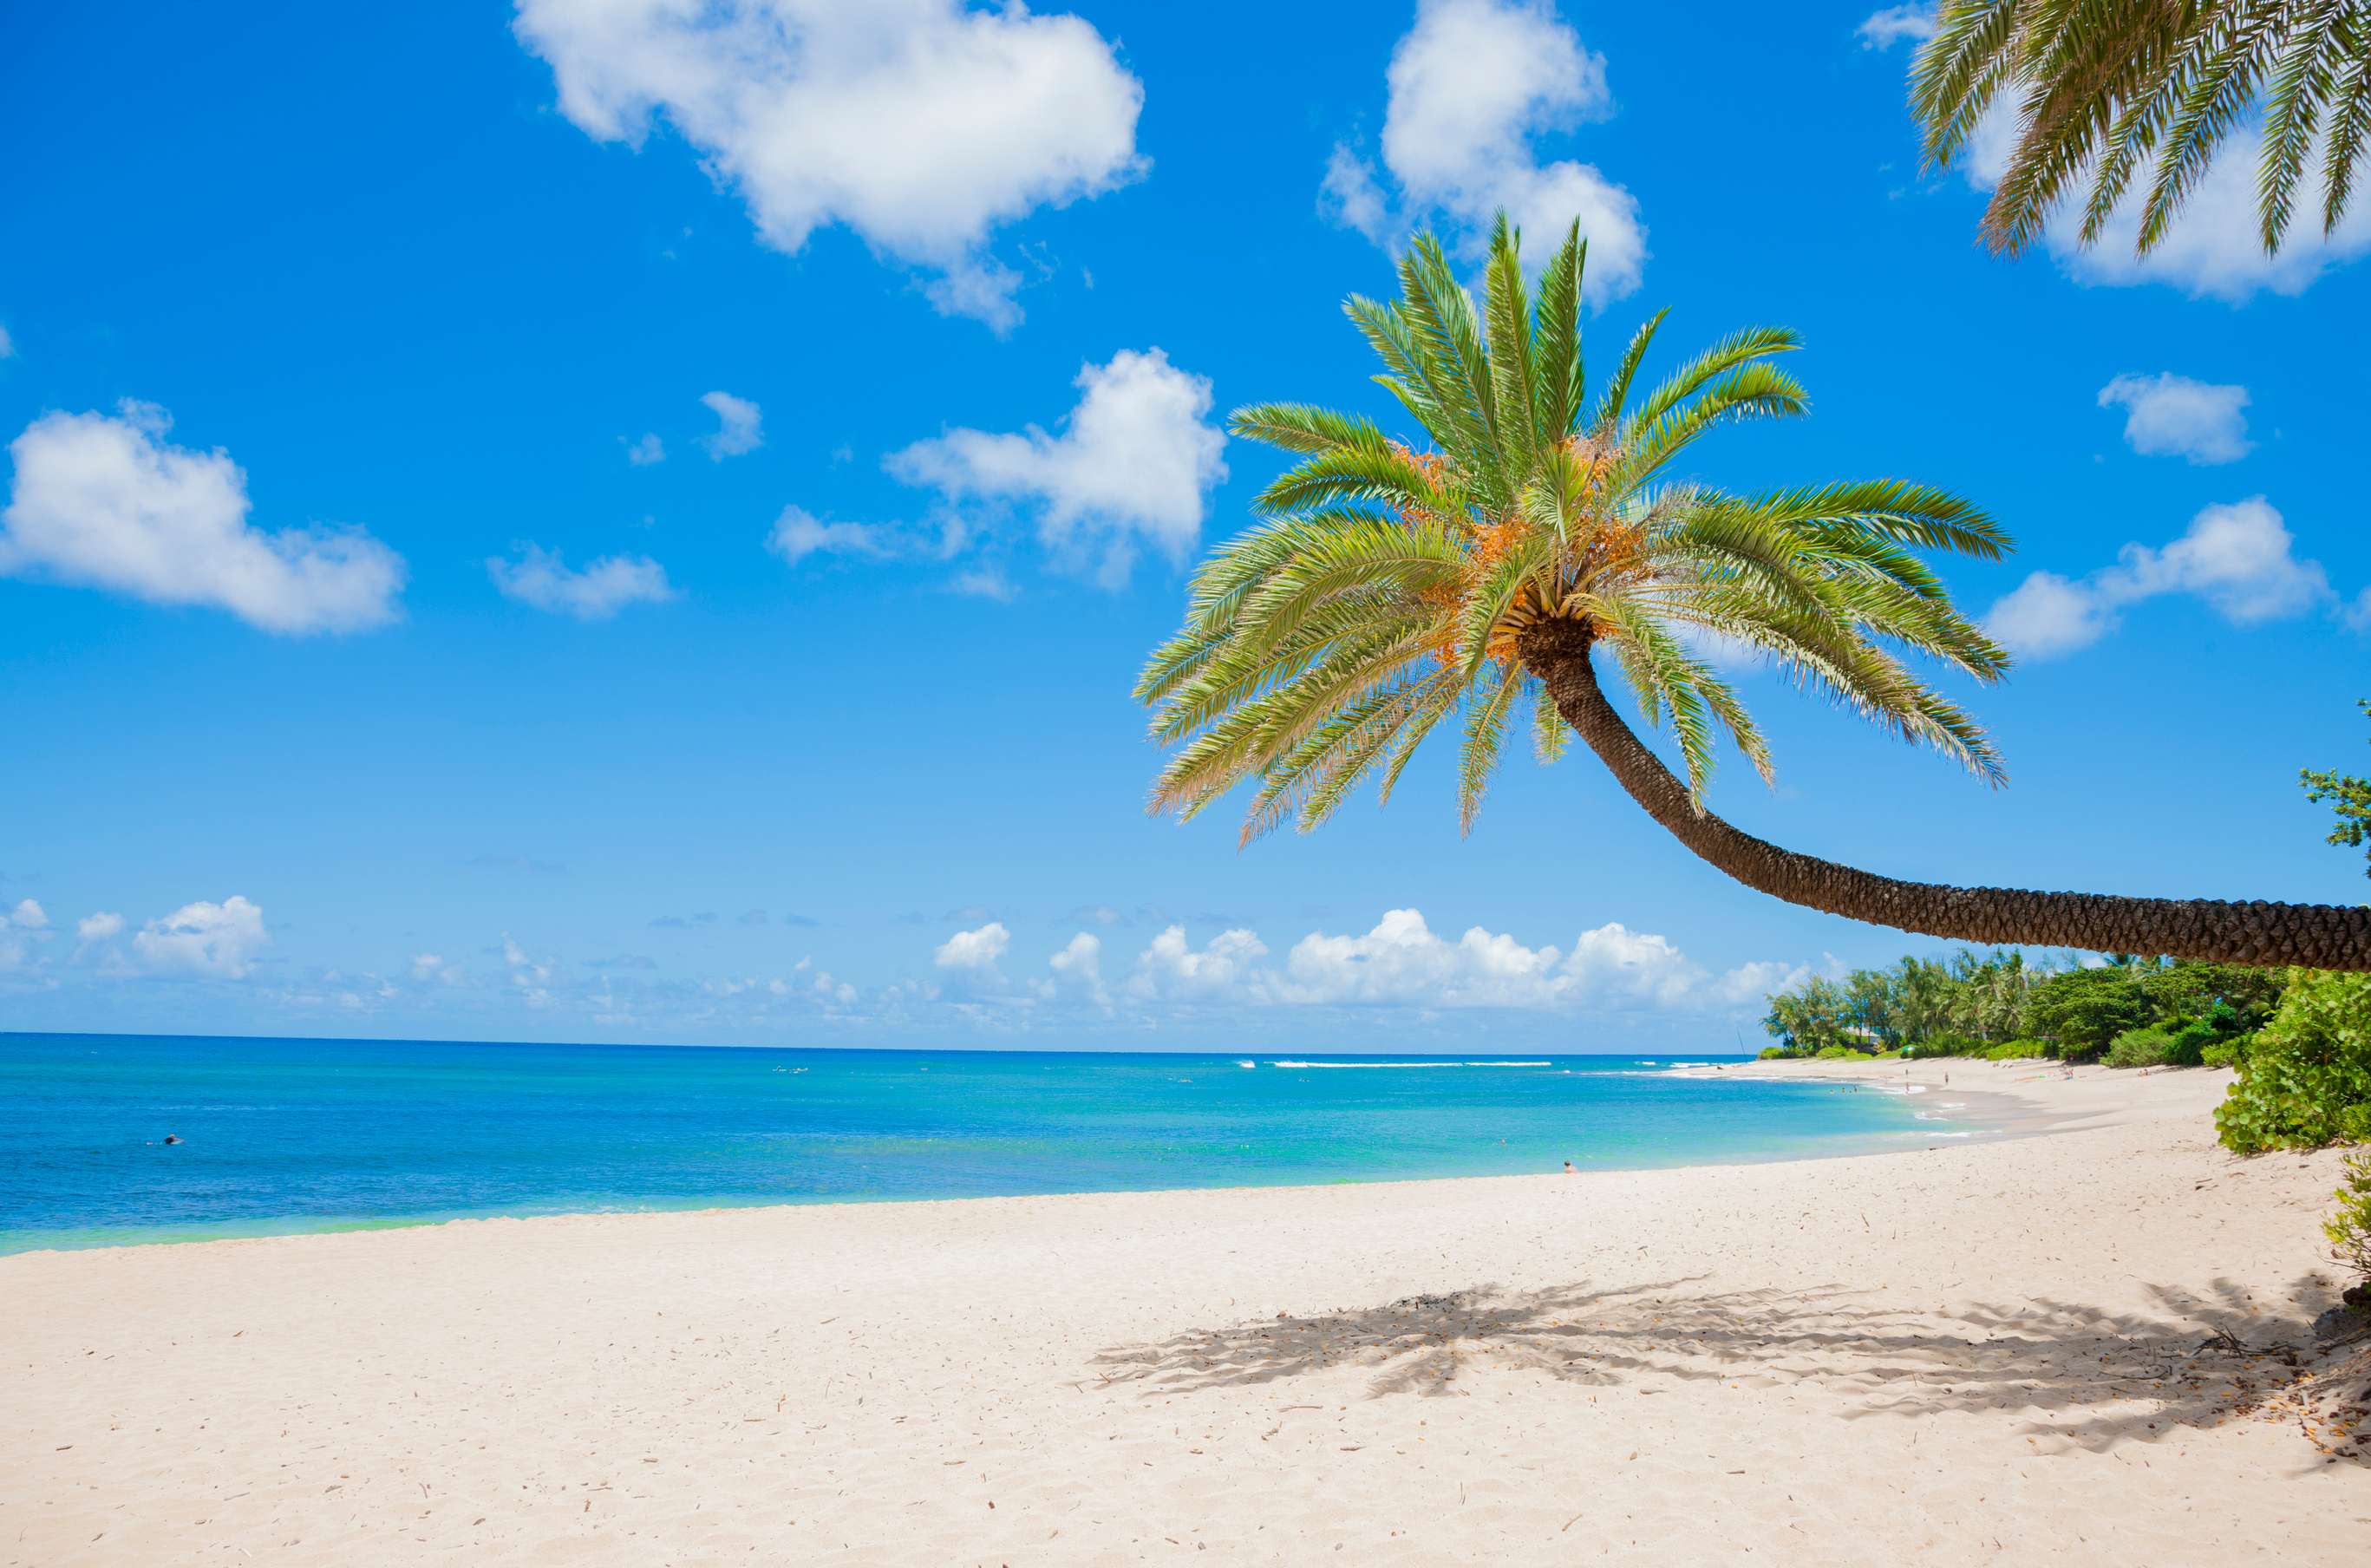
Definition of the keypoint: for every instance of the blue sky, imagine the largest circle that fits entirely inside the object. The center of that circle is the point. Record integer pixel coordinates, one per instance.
(630, 522)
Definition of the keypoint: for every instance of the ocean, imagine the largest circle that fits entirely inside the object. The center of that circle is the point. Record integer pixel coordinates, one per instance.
(291, 1135)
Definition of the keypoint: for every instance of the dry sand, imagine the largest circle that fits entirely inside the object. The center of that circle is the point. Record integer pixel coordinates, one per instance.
(1997, 1350)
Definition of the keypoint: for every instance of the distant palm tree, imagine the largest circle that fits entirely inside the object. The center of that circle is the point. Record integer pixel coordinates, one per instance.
(2101, 88)
(1392, 588)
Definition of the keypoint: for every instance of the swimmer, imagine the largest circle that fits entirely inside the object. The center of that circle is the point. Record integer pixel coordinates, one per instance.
(171, 1138)
(1568, 1170)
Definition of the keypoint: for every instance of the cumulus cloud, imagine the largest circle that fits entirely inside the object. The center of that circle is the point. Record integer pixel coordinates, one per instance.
(1402, 961)
(977, 951)
(204, 940)
(2237, 558)
(2172, 416)
(1472, 85)
(92, 932)
(1885, 29)
(20, 930)
(1134, 466)
(1079, 967)
(920, 124)
(737, 431)
(103, 500)
(799, 533)
(643, 452)
(2212, 250)
(542, 578)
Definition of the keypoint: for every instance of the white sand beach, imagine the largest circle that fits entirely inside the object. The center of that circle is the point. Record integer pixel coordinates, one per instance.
(2074, 1347)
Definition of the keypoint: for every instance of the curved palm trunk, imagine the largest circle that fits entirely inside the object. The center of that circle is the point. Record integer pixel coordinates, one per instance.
(2318, 935)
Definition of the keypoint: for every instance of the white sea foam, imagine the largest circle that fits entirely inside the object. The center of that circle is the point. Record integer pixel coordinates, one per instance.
(1366, 1063)
(1247, 1064)
(1408, 1064)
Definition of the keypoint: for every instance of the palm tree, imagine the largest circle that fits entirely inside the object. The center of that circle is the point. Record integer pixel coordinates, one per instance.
(1391, 588)
(2105, 86)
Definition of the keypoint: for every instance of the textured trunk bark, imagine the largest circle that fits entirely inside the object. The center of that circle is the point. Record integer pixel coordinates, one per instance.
(2318, 935)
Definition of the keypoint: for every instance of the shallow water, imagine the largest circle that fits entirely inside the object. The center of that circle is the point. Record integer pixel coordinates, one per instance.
(286, 1136)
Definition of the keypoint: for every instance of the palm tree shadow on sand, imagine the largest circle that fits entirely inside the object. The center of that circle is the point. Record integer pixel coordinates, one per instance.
(2086, 1375)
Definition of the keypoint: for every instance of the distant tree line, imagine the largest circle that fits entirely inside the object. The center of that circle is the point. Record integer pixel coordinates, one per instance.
(2136, 1011)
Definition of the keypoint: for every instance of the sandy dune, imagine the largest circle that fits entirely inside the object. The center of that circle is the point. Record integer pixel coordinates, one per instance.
(2006, 1350)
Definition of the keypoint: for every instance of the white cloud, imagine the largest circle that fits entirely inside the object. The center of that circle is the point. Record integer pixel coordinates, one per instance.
(20, 930)
(985, 583)
(1078, 966)
(2357, 614)
(93, 929)
(211, 942)
(543, 579)
(2048, 615)
(2172, 416)
(7, 344)
(1135, 464)
(426, 965)
(737, 432)
(1402, 961)
(2212, 250)
(1471, 85)
(643, 452)
(1885, 29)
(103, 500)
(1170, 970)
(920, 124)
(2237, 558)
(798, 534)
(975, 949)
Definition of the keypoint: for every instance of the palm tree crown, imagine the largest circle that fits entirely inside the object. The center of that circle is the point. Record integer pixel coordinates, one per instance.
(2105, 87)
(1393, 585)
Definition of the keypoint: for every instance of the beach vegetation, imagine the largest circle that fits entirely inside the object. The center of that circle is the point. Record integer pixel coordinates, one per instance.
(2225, 1053)
(2305, 1078)
(2349, 1228)
(2136, 1011)
(2124, 97)
(2348, 796)
(1958, 1007)
(1471, 574)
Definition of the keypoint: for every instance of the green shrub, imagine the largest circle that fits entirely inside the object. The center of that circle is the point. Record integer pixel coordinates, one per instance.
(1943, 1045)
(2016, 1051)
(1776, 1053)
(2350, 1228)
(2187, 1048)
(1839, 1054)
(2306, 1077)
(2226, 1052)
(2139, 1048)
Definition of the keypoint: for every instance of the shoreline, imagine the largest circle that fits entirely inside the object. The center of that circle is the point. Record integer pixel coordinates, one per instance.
(1999, 1113)
(1987, 1347)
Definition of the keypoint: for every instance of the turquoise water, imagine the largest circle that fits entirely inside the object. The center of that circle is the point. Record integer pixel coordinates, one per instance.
(285, 1136)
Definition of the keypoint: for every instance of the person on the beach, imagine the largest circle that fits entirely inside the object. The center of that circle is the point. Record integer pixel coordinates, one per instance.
(1568, 1170)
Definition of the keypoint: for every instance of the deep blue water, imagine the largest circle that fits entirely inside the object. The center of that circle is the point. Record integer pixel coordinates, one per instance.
(322, 1135)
